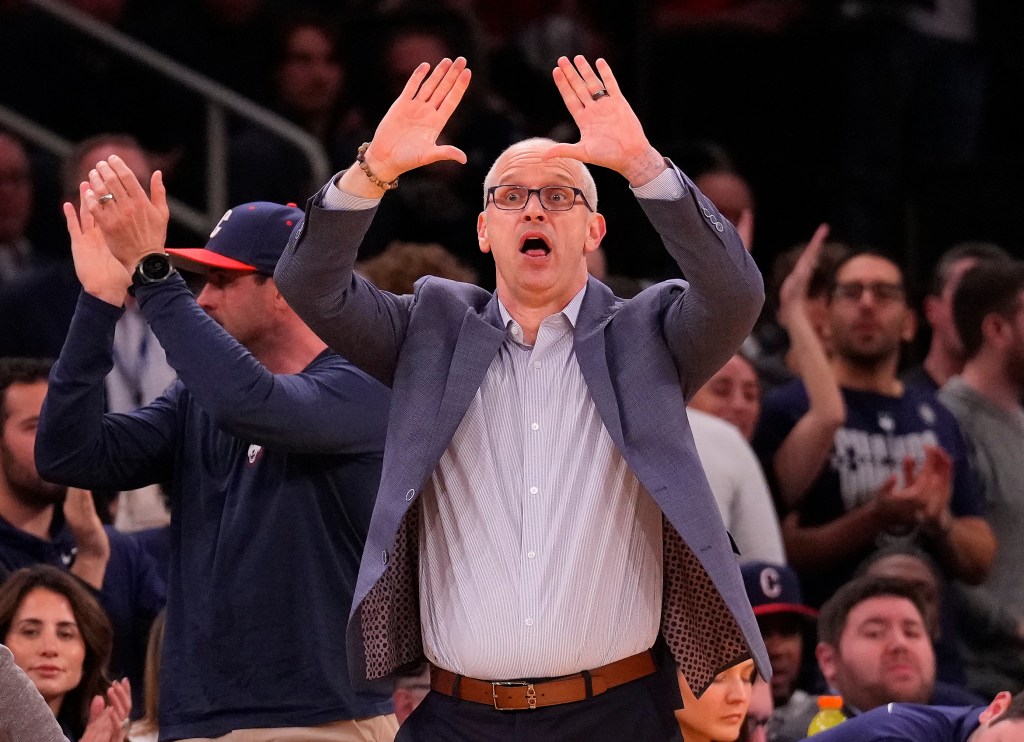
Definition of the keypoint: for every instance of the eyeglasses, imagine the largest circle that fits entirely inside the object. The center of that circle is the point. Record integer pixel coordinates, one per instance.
(551, 198)
(880, 290)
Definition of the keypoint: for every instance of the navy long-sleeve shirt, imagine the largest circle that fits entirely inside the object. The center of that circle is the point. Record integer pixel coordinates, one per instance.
(272, 481)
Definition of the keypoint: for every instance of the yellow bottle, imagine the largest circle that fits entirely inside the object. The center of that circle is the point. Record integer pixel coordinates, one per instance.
(830, 713)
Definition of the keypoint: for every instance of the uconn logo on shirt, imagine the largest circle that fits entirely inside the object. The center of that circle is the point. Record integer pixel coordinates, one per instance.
(254, 454)
(864, 459)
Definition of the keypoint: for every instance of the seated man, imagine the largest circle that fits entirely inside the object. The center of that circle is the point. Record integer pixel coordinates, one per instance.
(787, 626)
(1000, 721)
(873, 649)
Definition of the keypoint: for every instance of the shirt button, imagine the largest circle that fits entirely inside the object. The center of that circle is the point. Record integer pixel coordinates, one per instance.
(409, 495)
(529, 622)
(534, 426)
(536, 364)
(534, 490)
(531, 554)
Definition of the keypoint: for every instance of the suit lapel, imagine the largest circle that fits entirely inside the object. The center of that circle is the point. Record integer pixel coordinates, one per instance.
(591, 354)
(480, 338)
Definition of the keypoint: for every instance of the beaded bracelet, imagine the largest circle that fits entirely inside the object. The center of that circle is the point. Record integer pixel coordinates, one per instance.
(361, 159)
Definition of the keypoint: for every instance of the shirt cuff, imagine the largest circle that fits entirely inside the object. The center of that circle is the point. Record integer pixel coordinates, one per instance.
(668, 186)
(336, 199)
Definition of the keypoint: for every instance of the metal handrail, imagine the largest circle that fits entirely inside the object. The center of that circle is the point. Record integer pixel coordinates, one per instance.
(218, 99)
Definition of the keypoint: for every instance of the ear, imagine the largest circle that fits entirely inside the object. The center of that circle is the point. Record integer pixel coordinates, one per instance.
(481, 232)
(931, 306)
(596, 230)
(993, 329)
(826, 655)
(999, 704)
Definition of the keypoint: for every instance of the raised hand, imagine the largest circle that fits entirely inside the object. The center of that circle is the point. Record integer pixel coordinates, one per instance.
(933, 489)
(793, 292)
(133, 223)
(108, 718)
(406, 138)
(99, 272)
(91, 540)
(611, 135)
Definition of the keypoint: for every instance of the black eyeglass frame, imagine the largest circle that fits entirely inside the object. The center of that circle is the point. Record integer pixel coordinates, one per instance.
(577, 193)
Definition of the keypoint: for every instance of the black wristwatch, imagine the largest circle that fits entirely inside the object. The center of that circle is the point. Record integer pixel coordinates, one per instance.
(153, 268)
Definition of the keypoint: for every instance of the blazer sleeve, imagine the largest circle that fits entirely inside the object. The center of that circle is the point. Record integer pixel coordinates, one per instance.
(707, 316)
(317, 276)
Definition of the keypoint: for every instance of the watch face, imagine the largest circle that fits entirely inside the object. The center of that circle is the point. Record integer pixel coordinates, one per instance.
(155, 267)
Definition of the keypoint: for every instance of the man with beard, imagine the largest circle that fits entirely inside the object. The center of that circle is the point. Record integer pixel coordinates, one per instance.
(897, 469)
(945, 357)
(988, 309)
(37, 525)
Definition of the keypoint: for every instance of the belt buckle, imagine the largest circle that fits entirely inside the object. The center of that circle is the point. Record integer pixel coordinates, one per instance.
(531, 693)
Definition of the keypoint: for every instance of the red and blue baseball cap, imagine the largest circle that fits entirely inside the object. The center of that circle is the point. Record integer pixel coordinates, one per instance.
(774, 589)
(250, 237)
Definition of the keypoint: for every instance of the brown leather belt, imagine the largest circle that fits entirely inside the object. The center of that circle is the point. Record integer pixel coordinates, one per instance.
(516, 695)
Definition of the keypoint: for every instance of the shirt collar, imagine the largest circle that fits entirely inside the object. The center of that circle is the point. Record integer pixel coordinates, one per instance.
(571, 311)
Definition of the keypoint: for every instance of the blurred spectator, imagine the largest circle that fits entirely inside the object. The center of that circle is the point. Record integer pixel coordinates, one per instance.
(16, 252)
(41, 524)
(1001, 721)
(61, 638)
(147, 728)
(410, 689)
(787, 626)
(733, 394)
(988, 308)
(739, 486)
(38, 307)
(24, 715)
(732, 195)
(759, 713)
(437, 202)
(769, 345)
(873, 649)
(403, 263)
(916, 568)
(799, 458)
(308, 81)
(897, 469)
(945, 356)
(717, 716)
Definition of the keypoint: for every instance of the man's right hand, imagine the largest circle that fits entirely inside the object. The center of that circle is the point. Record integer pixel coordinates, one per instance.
(406, 138)
(99, 272)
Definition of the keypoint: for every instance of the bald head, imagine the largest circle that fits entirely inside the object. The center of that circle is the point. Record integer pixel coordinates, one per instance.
(538, 145)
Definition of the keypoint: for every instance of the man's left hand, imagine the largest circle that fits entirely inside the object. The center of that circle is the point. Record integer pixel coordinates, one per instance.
(133, 224)
(611, 135)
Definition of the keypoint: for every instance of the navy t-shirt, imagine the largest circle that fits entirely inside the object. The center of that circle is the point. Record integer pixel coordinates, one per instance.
(907, 722)
(879, 431)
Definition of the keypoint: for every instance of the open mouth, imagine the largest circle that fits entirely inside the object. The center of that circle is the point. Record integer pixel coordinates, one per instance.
(535, 247)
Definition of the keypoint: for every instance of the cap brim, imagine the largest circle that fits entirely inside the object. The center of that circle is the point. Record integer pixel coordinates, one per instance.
(201, 260)
(771, 609)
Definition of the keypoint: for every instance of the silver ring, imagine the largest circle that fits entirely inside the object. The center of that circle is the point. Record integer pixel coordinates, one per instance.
(599, 94)
(105, 197)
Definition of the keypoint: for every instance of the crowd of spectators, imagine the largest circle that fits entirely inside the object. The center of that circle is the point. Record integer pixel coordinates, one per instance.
(860, 446)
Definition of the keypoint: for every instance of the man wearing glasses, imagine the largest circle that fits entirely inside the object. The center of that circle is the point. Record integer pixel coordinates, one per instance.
(544, 533)
(896, 470)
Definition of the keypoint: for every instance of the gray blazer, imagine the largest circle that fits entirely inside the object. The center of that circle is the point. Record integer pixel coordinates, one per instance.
(641, 358)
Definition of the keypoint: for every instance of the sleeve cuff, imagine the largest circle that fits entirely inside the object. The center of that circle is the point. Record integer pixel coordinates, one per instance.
(668, 186)
(337, 200)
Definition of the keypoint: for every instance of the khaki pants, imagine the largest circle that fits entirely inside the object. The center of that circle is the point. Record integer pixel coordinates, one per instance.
(370, 729)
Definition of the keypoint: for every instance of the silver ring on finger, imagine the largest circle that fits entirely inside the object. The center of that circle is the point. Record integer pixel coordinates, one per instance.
(599, 94)
(105, 198)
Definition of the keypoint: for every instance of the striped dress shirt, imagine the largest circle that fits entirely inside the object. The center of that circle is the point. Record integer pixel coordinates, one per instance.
(540, 552)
